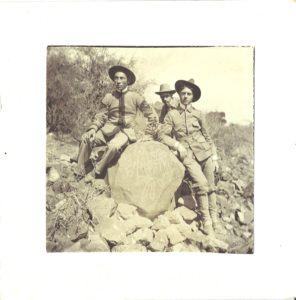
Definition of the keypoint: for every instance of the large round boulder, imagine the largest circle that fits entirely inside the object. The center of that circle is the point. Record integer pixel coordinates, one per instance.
(147, 175)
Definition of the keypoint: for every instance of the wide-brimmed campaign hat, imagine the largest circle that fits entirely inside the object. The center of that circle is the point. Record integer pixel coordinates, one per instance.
(165, 88)
(131, 77)
(190, 83)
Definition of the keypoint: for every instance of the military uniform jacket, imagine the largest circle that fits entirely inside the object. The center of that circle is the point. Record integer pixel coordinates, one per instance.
(188, 126)
(118, 112)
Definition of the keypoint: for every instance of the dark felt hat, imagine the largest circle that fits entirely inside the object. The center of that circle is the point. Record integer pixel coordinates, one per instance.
(190, 83)
(131, 77)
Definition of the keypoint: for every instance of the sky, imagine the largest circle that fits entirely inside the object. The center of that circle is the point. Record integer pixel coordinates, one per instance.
(224, 75)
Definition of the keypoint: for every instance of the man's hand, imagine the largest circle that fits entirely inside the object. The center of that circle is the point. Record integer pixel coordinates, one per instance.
(181, 150)
(88, 136)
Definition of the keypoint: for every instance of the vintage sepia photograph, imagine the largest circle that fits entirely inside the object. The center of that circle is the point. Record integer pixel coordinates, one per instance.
(150, 149)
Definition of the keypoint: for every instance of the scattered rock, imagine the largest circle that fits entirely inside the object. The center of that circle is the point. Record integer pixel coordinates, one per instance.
(126, 211)
(143, 236)
(249, 216)
(53, 175)
(225, 188)
(239, 185)
(101, 207)
(213, 244)
(96, 243)
(240, 217)
(74, 248)
(188, 201)
(135, 223)
(129, 248)
(112, 230)
(65, 158)
(155, 174)
(161, 222)
(61, 186)
(187, 214)
(77, 231)
(160, 241)
(184, 229)
(174, 235)
(249, 191)
(174, 217)
(226, 219)
(246, 235)
(228, 227)
(181, 247)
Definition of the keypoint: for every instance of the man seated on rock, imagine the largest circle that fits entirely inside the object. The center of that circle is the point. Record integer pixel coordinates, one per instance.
(196, 150)
(113, 125)
(169, 102)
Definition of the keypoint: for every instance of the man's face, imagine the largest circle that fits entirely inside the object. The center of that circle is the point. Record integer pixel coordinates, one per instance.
(166, 99)
(120, 81)
(186, 96)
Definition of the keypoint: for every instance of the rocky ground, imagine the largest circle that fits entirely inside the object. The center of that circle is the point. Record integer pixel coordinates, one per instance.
(81, 216)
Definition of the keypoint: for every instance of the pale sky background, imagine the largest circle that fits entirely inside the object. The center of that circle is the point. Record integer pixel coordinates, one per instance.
(224, 74)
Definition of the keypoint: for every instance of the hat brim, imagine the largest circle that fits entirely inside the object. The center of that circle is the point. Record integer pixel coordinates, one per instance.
(166, 92)
(195, 89)
(131, 78)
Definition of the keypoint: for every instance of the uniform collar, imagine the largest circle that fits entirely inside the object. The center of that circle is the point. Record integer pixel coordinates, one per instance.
(189, 107)
(123, 91)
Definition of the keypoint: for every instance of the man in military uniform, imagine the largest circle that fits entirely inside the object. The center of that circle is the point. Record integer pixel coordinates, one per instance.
(196, 150)
(113, 124)
(169, 102)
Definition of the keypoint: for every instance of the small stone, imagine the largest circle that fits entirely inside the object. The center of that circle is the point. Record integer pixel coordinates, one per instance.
(53, 175)
(99, 183)
(74, 248)
(246, 235)
(212, 243)
(160, 241)
(226, 219)
(179, 248)
(240, 217)
(232, 217)
(174, 235)
(187, 201)
(239, 185)
(129, 248)
(143, 235)
(137, 222)
(184, 229)
(249, 216)
(65, 158)
(102, 207)
(96, 243)
(112, 230)
(89, 178)
(249, 191)
(129, 240)
(161, 222)
(228, 227)
(187, 214)
(174, 217)
(126, 211)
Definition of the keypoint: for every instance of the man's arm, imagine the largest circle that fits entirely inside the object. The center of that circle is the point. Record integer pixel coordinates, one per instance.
(101, 117)
(164, 134)
(205, 133)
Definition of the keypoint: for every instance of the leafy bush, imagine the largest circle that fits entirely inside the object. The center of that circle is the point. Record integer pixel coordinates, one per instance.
(77, 81)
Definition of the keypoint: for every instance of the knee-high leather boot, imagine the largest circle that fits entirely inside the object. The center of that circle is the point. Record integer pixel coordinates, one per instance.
(214, 213)
(203, 207)
(106, 159)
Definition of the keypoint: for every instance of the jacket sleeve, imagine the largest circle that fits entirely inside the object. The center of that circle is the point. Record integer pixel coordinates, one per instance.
(205, 133)
(164, 133)
(101, 117)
